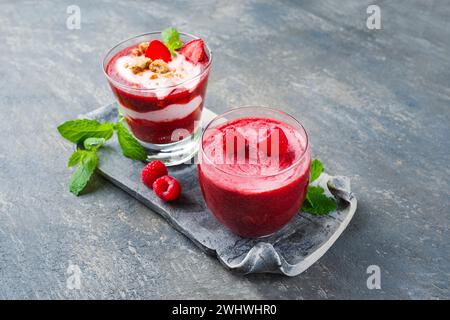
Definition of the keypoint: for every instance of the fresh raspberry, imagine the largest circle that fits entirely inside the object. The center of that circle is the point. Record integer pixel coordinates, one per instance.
(194, 50)
(158, 50)
(280, 140)
(153, 171)
(167, 188)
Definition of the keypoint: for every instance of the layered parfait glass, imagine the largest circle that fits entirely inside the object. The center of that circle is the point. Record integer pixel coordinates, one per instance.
(254, 169)
(160, 94)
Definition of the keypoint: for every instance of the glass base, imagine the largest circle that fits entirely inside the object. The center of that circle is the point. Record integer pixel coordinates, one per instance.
(172, 154)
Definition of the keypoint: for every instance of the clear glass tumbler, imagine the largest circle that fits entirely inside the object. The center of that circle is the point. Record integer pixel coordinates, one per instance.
(254, 198)
(166, 120)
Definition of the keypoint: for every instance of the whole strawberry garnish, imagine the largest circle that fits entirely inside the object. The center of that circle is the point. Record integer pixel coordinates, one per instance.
(274, 140)
(167, 188)
(153, 171)
(194, 50)
(158, 50)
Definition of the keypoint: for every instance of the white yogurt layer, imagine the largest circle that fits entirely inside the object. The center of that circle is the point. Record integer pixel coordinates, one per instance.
(169, 113)
(181, 68)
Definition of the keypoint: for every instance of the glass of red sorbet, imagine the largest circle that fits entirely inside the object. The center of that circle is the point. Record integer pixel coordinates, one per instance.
(254, 169)
(161, 96)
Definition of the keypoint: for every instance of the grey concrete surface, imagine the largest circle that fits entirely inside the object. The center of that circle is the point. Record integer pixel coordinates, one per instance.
(387, 91)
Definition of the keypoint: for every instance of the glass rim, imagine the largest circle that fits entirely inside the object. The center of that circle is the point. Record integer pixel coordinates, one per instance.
(126, 87)
(248, 107)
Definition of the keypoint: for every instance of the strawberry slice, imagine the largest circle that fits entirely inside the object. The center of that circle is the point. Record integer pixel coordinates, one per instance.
(274, 140)
(194, 50)
(158, 50)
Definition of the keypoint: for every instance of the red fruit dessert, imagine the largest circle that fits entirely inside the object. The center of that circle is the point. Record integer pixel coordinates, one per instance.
(258, 194)
(161, 92)
(167, 188)
(153, 171)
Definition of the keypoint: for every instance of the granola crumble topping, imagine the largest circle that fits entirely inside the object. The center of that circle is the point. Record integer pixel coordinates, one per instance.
(136, 52)
(140, 65)
(148, 73)
(143, 46)
(159, 66)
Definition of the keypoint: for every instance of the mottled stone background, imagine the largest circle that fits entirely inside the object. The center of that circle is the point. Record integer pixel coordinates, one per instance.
(377, 100)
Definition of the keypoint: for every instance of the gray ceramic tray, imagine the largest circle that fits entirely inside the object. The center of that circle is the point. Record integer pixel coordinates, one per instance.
(290, 251)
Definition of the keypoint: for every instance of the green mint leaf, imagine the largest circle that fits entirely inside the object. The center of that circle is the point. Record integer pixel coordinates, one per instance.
(75, 158)
(93, 143)
(83, 172)
(317, 203)
(307, 201)
(316, 170)
(131, 148)
(171, 39)
(77, 131)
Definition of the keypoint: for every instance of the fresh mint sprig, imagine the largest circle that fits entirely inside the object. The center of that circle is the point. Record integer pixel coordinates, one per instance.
(86, 166)
(316, 202)
(92, 135)
(93, 143)
(316, 170)
(131, 148)
(77, 131)
(171, 39)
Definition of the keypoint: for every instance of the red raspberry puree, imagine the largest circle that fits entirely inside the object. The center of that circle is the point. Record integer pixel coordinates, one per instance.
(258, 196)
(154, 109)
